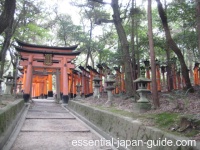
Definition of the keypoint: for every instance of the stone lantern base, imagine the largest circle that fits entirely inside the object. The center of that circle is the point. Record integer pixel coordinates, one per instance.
(143, 107)
(96, 92)
(109, 103)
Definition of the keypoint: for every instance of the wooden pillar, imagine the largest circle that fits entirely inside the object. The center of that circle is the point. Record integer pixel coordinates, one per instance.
(27, 89)
(88, 84)
(118, 82)
(158, 77)
(199, 76)
(65, 82)
(91, 83)
(61, 81)
(69, 84)
(148, 77)
(101, 85)
(83, 83)
(38, 89)
(196, 74)
(24, 80)
(74, 85)
(45, 88)
(122, 83)
(174, 76)
(58, 84)
(50, 91)
(33, 90)
(179, 79)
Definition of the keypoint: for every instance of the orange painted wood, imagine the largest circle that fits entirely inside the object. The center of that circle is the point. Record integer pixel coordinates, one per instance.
(91, 82)
(29, 76)
(49, 82)
(61, 80)
(196, 76)
(24, 80)
(174, 76)
(122, 83)
(45, 87)
(74, 84)
(65, 77)
(158, 78)
(148, 77)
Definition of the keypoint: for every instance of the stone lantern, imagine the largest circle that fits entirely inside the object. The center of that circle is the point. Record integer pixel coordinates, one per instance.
(142, 89)
(97, 85)
(19, 87)
(142, 71)
(110, 86)
(78, 91)
(9, 83)
(146, 63)
(143, 103)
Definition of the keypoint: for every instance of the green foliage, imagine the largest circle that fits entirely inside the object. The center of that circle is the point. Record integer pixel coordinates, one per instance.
(183, 13)
(116, 111)
(28, 22)
(166, 119)
(68, 33)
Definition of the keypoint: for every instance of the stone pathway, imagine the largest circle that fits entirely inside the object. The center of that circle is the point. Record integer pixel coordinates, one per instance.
(49, 126)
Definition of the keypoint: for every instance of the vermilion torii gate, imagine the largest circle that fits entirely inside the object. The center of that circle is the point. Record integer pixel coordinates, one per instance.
(37, 59)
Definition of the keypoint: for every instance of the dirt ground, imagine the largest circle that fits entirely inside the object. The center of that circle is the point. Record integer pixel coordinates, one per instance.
(178, 101)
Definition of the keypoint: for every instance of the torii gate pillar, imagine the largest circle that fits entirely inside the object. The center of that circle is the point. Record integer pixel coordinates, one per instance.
(65, 82)
(27, 89)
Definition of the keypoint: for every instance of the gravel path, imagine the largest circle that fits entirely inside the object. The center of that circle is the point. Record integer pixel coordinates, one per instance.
(49, 126)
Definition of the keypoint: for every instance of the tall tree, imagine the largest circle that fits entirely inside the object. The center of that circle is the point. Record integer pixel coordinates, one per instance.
(7, 14)
(152, 55)
(124, 45)
(198, 22)
(133, 44)
(173, 46)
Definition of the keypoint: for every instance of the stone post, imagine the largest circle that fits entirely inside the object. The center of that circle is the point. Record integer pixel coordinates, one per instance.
(57, 85)
(96, 86)
(78, 92)
(110, 81)
(9, 83)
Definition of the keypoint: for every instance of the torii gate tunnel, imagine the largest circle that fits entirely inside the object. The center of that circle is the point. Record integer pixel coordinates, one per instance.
(40, 62)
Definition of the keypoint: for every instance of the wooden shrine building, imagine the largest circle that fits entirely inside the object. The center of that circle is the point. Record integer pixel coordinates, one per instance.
(40, 63)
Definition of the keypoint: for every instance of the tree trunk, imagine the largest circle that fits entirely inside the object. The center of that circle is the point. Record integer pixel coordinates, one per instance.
(169, 70)
(89, 47)
(152, 55)
(198, 23)
(6, 44)
(133, 69)
(125, 47)
(173, 46)
(7, 14)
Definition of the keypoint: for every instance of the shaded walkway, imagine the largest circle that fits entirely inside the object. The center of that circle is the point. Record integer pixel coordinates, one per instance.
(49, 126)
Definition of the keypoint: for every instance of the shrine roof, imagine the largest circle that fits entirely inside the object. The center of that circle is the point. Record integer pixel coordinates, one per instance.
(92, 69)
(21, 43)
(74, 53)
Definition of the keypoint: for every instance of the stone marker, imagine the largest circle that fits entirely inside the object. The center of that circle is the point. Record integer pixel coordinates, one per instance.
(110, 86)
(96, 86)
